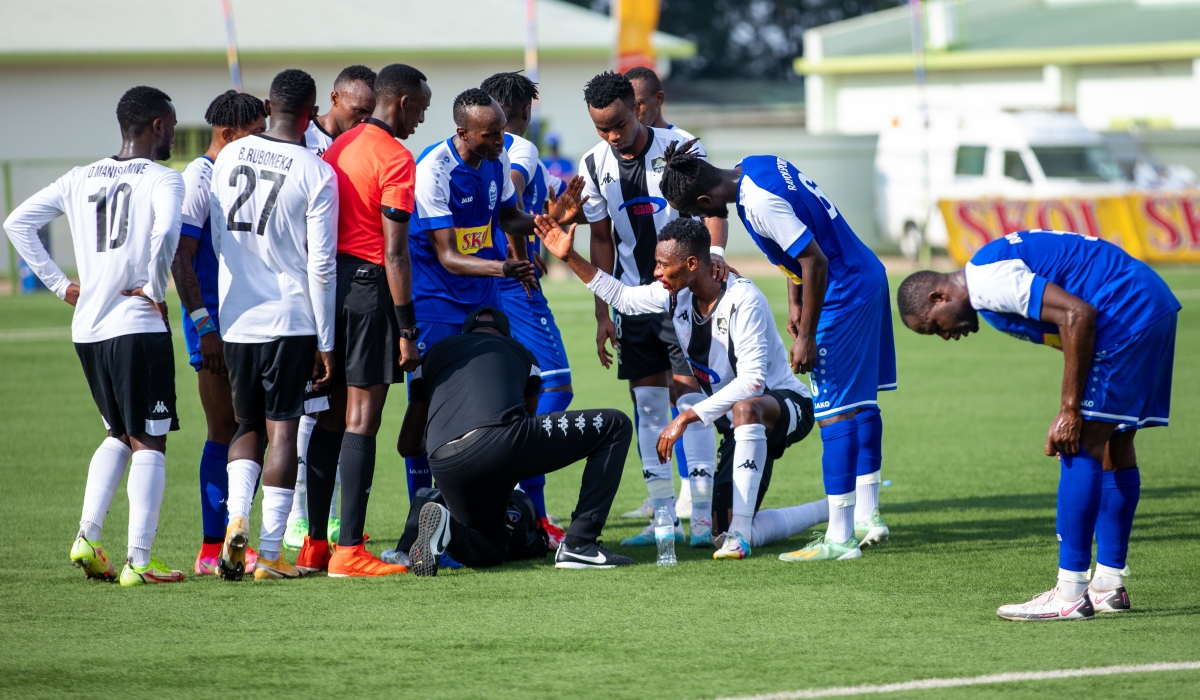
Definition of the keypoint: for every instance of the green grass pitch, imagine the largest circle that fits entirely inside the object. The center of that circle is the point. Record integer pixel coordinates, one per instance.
(971, 509)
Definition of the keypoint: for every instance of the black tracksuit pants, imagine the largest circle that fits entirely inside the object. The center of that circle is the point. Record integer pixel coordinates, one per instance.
(477, 473)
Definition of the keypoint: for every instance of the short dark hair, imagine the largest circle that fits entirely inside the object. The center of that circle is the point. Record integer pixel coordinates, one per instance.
(644, 73)
(236, 110)
(139, 107)
(471, 97)
(691, 235)
(355, 73)
(512, 90)
(293, 90)
(912, 297)
(686, 175)
(397, 80)
(606, 88)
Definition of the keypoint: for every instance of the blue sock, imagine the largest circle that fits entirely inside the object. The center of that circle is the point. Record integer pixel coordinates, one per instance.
(839, 463)
(419, 476)
(1078, 505)
(553, 401)
(870, 440)
(680, 457)
(1118, 500)
(535, 488)
(214, 488)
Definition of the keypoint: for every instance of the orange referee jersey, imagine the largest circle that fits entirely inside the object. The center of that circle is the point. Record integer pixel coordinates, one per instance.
(373, 171)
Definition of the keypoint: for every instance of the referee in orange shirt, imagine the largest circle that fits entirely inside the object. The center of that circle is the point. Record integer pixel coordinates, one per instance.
(376, 325)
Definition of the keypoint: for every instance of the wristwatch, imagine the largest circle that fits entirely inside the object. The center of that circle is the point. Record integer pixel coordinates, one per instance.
(410, 333)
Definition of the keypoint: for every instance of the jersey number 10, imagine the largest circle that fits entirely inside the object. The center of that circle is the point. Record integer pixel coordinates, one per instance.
(106, 216)
(276, 180)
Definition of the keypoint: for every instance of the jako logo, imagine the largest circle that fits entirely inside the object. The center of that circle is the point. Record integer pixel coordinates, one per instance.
(823, 404)
(644, 206)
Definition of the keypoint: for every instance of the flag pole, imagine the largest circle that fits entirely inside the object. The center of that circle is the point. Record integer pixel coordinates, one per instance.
(231, 51)
(531, 69)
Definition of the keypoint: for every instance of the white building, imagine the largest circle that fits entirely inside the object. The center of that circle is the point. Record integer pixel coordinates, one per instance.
(1116, 63)
(65, 63)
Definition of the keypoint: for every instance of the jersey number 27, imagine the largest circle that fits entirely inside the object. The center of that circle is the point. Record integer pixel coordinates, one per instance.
(276, 180)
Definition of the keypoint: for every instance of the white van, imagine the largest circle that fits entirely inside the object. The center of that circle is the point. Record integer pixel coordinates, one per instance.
(1035, 154)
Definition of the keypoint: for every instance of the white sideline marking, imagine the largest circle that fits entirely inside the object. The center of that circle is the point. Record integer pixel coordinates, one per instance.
(22, 335)
(933, 683)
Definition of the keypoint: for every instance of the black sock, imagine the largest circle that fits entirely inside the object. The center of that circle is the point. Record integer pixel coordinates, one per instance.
(358, 471)
(576, 542)
(321, 463)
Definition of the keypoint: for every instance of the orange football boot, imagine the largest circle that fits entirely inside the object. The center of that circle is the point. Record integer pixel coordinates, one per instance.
(314, 556)
(357, 561)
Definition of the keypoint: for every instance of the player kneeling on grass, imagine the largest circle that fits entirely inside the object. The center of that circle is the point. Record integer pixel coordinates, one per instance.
(472, 402)
(1113, 319)
(728, 333)
(274, 229)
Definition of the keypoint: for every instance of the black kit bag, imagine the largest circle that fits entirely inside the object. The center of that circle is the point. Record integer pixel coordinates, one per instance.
(528, 538)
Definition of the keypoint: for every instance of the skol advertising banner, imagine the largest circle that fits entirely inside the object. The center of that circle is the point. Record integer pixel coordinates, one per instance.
(1151, 226)
(636, 22)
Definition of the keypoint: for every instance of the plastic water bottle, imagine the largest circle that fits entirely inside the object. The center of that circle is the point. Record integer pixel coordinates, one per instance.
(664, 535)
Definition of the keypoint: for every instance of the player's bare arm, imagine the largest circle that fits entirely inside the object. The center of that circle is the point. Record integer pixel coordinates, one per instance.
(398, 268)
(718, 231)
(323, 366)
(457, 263)
(603, 252)
(188, 286)
(1076, 321)
(412, 431)
(805, 302)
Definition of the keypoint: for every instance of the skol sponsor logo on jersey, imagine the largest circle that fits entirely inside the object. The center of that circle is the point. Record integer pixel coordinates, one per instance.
(791, 275)
(644, 206)
(473, 240)
(1151, 226)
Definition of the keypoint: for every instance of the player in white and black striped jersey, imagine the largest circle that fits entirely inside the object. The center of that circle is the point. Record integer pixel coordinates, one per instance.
(350, 103)
(626, 211)
(124, 214)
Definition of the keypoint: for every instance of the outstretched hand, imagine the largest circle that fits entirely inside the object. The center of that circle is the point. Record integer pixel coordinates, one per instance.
(560, 243)
(565, 207)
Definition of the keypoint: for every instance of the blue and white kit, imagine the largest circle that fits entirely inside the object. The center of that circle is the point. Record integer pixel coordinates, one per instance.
(1130, 380)
(197, 177)
(451, 194)
(530, 317)
(784, 211)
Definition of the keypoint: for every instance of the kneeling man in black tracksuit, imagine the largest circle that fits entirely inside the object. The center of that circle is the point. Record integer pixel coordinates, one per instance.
(471, 407)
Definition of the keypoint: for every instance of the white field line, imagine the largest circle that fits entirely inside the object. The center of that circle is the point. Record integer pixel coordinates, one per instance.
(934, 683)
(25, 335)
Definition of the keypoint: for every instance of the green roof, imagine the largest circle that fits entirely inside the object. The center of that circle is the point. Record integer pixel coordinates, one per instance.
(1013, 33)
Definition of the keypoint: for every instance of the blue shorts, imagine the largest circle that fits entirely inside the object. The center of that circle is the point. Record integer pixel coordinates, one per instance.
(1130, 384)
(856, 357)
(193, 339)
(533, 324)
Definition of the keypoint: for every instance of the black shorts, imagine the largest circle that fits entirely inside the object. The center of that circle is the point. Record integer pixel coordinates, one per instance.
(366, 344)
(795, 423)
(132, 378)
(268, 379)
(648, 345)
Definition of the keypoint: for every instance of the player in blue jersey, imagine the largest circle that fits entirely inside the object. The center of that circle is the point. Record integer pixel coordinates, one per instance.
(1114, 320)
(233, 115)
(839, 314)
(464, 197)
(529, 314)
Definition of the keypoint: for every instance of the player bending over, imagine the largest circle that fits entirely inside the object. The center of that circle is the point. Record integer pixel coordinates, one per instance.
(838, 313)
(740, 362)
(124, 218)
(527, 310)
(274, 208)
(233, 115)
(472, 404)
(1113, 319)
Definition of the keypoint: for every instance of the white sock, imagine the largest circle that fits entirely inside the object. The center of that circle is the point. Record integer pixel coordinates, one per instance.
(147, 481)
(667, 501)
(700, 447)
(1072, 584)
(337, 492)
(104, 477)
(653, 405)
(1106, 578)
(749, 460)
(841, 518)
(275, 505)
(300, 499)
(867, 491)
(776, 524)
(243, 475)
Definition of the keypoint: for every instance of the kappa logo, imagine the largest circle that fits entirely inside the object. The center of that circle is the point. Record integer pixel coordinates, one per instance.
(493, 195)
(748, 464)
(580, 422)
(598, 422)
(562, 424)
(547, 425)
(701, 472)
(308, 387)
(646, 474)
(608, 179)
(683, 316)
(468, 200)
(160, 407)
